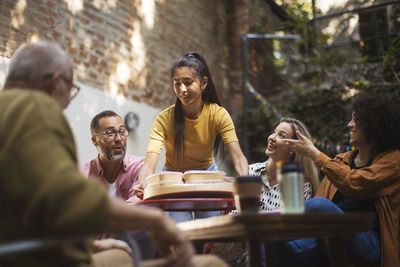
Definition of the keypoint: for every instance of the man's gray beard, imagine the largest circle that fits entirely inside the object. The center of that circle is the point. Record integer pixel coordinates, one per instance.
(115, 157)
(118, 157)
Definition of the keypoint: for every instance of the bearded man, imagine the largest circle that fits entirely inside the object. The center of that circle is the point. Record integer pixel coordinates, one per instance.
(117, 170)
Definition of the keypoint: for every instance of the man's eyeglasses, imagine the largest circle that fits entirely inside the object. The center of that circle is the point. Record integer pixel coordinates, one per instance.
(74, 89)
(111, 134)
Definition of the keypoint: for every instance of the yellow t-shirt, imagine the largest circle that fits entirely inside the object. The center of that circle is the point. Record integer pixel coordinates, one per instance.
(199, 135)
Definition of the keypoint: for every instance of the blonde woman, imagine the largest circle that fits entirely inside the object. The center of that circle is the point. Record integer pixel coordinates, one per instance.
(278, 150)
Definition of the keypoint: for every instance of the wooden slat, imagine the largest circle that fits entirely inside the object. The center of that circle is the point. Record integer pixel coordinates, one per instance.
(276, 227)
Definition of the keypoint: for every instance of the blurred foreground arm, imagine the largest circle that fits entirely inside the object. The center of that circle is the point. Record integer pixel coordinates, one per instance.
(163, 229)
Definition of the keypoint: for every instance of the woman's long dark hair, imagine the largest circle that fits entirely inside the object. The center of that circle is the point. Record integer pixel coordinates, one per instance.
(198, 64)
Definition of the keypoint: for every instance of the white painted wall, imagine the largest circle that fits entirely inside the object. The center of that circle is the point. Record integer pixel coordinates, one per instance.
(91, 101)
(3, 70)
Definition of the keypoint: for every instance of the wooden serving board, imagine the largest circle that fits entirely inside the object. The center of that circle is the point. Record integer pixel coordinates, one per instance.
(219, 190)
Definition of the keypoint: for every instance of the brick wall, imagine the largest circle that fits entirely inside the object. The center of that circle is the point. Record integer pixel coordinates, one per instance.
(128, 47)
(237, 26)
(262, 15)
(249, 16)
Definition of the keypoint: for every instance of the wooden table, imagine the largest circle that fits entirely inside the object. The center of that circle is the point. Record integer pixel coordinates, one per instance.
(191, 204)
(267, 228)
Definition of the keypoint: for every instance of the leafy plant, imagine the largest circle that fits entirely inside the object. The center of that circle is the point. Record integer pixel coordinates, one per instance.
(316, 85)
(390, 58)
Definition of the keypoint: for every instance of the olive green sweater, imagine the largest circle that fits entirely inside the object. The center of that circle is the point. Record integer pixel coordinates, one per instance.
(42, 193)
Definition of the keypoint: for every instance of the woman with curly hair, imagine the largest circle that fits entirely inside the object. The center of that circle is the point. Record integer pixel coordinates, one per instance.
(364, 180)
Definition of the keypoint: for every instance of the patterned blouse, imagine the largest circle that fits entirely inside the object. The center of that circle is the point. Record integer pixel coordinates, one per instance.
(270, 195)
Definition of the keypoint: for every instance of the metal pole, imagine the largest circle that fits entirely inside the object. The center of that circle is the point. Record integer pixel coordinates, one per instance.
(314, 24)
(375, 34)
(269, 36)
(245, 77)
(245, 74)
(354, 10)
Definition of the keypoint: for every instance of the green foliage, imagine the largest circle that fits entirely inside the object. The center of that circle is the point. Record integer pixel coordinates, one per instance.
(324, 112)
(317, 96)
(390, 58)
(261, 124)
